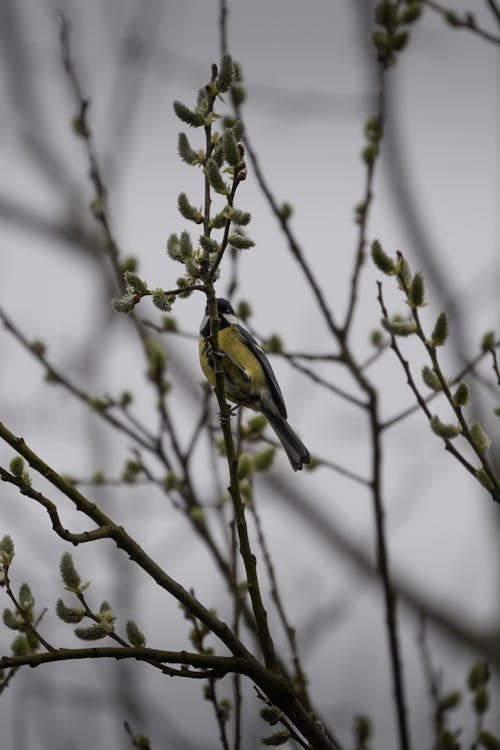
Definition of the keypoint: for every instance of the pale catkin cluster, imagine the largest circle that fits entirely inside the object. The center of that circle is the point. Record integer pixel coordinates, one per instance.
(457, 395)
(222, 160)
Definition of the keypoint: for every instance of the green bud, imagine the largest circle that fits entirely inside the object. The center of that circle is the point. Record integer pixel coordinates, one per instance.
(241, 218)
(173, 247)
(238, 129)
(362, 729)
(106, 613)
(245, 466)
(183, 283)
(403, 272)
(286, 211)
(416, 294)
(93, 633)
(226, 74)
(186, 153)
(26, 600)
(98, 207)
(481, 701)
(202, 101)
(373, 129)
(239, 95)
(386, 14)
(479, 675)
(218, 156)
(370, 153)
(224, 709)
(431, 379)
(99, 404)
(410, 13)
(246, 490)
(360, 212)
(240, 242)
(12, 620)
(447, 740)
(479, 438)
(71, 615)
(69, 574)
(169, 323)
(399, 327)
(7, 551)
(162, 301)
(440, 330)
(124, 304)
(134, 635)
(126, 399)
(156, 357)
(488, 741)
(185, 245)
(231, 148)
(134, 283)
(17, 466)
(488, 341)
(448, 702)
(190, 117)
(80, 127)
(243, 310)
(38, 347)
(278, 738)
(483, 477)
(264, 460)
(215, 178)
(273, 344)
(197, 515)
(271, 714)
(187, 211)
(171, 481)
(461, 396)
(129, 264)
(383, 262)
(208, 244)
(219, 220)
(452, 18)
(130, 470)
(399, 40)
(20, 646)
(446, 431)
(256, 425)
(377, 339)
(220, 446)
(380, 40)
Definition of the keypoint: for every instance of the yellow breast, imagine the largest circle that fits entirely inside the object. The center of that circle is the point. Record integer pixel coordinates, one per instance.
(244, 376)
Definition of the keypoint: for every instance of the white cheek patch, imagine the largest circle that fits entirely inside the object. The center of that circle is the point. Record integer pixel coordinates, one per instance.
(204, 322)
(233, 320)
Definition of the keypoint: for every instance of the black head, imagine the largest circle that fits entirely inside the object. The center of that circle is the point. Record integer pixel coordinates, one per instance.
(223, 307)
(224, 310)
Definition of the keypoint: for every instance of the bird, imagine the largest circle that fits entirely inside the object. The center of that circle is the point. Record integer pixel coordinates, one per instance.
(249, 379)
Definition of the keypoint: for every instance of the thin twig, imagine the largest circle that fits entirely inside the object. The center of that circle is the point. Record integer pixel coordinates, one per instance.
(432, 678)
(300, 678)
(495, 9)
(359, 257)
(467, 21)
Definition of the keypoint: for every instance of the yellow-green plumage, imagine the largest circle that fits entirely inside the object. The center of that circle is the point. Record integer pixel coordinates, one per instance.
(242, 390)
(248, 377)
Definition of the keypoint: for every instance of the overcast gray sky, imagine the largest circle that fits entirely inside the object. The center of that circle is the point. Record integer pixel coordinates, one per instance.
(309, 75)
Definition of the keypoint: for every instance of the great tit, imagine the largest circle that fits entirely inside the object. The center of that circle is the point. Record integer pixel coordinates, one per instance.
(248, 377)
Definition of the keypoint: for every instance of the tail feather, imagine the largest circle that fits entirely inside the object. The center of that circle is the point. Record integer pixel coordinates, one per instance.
(297, 453)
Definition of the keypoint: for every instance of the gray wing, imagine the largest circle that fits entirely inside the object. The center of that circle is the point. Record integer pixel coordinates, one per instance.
(268, 371)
